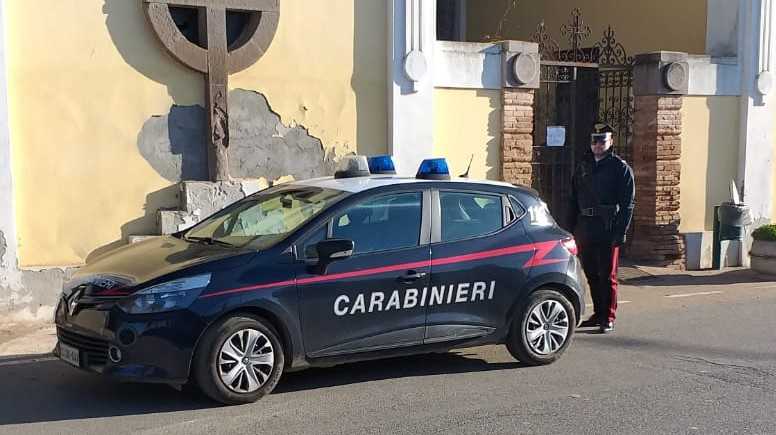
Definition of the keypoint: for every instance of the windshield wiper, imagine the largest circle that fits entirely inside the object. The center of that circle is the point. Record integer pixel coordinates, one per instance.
(209, 241)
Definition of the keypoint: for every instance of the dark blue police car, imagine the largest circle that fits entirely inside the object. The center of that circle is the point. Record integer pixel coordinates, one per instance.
(325, 271)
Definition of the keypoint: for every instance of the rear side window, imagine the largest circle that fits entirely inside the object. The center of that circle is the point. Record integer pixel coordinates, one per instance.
(466, 215)
(515, 210)
(382, 223)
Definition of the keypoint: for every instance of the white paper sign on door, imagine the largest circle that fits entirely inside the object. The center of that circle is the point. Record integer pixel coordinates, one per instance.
(556, 136)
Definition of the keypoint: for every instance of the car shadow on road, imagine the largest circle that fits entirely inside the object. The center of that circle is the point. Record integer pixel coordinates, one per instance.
(39, 389)
(46, 390)
(735, 276)
(411, 366)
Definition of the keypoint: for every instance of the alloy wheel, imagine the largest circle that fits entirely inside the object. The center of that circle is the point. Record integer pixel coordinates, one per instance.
(547, 328)
(245, 361)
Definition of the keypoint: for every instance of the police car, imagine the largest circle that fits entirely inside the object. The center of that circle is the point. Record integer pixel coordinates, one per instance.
(362, 265)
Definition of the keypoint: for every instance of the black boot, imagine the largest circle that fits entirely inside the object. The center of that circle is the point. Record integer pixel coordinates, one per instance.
(607, 327)
(592, 322)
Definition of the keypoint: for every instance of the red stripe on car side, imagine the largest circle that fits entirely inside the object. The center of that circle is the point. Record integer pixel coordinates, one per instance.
(313, 279)
(372, 271)
(542, 250)
(250, 288)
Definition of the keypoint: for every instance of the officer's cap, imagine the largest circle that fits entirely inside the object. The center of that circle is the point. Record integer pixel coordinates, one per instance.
(602, 132)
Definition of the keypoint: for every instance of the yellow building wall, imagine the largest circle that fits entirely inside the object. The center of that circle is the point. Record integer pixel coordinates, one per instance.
(468, 122)
(641, 26)
(709, 158)
(773, 202)
(84, 75)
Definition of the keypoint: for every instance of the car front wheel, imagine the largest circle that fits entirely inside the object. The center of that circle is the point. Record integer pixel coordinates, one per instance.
(542, 328)
(240, 359)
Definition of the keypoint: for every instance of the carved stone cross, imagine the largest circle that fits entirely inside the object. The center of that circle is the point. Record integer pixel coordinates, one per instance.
(218, 59)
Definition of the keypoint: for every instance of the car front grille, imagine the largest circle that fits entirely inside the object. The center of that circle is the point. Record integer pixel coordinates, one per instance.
(93, 350)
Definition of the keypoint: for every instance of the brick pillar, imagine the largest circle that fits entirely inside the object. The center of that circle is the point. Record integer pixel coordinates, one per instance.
(517, 135)
(657, 148)
(659, 81)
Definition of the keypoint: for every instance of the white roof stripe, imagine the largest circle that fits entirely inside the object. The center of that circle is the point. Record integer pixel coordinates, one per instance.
(360, 184)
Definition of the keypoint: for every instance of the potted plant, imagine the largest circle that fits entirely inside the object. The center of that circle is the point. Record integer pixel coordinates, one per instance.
(763, 251)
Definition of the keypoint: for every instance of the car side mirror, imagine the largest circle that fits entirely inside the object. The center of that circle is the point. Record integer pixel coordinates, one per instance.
(330, 251)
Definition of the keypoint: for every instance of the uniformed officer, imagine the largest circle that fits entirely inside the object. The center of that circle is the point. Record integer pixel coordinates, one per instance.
(601, 207)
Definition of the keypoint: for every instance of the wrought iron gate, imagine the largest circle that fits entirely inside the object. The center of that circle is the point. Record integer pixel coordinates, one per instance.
(580, 87)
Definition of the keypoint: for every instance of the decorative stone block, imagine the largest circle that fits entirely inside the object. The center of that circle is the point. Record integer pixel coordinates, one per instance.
(520, 64)
(661, 73)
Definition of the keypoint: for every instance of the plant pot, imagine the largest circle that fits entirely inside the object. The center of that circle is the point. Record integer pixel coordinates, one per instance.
(763, 257)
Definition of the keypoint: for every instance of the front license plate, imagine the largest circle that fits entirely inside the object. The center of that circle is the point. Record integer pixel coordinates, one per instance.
(69, 354)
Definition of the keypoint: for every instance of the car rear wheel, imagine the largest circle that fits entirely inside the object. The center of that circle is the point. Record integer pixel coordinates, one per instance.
(542, 328)
(240, 359)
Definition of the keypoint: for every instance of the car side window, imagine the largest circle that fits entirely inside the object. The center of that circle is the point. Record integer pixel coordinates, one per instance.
(516, 210)
(309, 244)
(466, 215)
(382, 223)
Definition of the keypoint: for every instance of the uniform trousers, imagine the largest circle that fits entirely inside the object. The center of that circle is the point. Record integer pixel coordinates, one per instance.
(600, 262)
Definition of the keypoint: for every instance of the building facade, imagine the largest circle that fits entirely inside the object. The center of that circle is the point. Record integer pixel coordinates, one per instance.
(103, 130)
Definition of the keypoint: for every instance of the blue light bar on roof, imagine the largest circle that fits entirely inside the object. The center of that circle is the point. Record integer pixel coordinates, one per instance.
(433, 169)
(381, 165)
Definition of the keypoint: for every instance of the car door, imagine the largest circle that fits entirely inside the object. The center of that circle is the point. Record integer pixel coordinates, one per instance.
(370, 300)
(478, 251)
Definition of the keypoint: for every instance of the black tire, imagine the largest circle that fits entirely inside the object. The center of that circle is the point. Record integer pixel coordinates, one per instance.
(517, 341)
(205, 364)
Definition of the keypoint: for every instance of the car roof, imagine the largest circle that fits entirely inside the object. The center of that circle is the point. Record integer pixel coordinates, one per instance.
(360, 184)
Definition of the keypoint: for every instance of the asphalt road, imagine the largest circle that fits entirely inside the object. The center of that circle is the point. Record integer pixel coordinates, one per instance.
(690, 355)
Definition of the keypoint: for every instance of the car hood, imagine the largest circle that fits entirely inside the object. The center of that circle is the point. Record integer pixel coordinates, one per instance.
(141, 262)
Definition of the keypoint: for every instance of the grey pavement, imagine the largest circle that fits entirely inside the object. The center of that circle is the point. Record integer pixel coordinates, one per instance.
(693, 353)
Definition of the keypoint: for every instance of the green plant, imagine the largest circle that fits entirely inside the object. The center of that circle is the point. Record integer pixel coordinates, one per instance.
(765, 233)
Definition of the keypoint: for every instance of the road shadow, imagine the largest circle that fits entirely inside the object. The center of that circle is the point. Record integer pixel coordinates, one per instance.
(394, 368)
(674, 349)
(736, 276)
(47, 390)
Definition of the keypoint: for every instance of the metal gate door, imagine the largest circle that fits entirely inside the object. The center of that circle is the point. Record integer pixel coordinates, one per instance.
(566, 104)
(579, 88)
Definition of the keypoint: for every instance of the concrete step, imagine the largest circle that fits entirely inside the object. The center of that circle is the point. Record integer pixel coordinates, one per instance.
(172, 221)
(200, 199)
(207, 197)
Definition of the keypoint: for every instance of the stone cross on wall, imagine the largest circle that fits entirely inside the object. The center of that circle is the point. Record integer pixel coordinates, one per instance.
(218, 59)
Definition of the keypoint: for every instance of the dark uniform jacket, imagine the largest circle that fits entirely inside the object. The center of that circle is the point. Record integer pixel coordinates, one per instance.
(601, 200)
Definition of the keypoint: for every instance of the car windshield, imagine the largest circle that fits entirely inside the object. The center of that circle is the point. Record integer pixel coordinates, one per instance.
(265, 218)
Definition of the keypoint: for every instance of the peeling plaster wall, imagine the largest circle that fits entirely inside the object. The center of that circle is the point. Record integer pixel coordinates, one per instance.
(261, 145)
(95, 74)
(3, 247)
(10, 277)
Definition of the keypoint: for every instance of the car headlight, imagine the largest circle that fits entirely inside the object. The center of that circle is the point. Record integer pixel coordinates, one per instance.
(168, 296)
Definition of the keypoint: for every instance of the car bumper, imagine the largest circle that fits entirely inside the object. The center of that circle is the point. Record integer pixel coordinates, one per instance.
(150, 348)
(578, 282)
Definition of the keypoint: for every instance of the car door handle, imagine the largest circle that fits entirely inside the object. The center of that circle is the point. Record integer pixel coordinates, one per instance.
(411, 276)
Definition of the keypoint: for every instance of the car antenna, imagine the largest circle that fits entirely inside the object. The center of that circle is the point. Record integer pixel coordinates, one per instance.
(466, 174)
